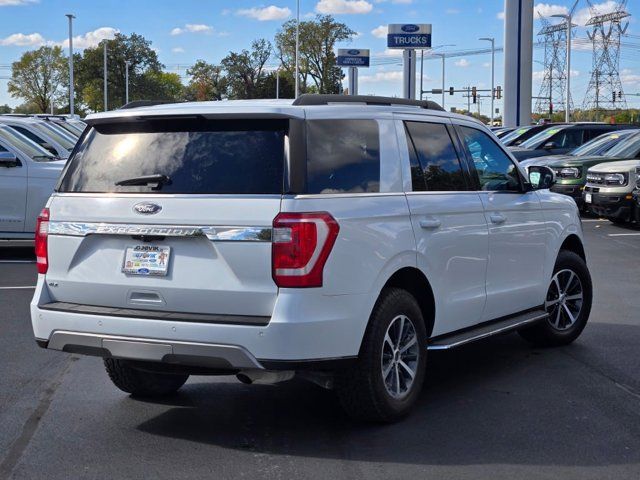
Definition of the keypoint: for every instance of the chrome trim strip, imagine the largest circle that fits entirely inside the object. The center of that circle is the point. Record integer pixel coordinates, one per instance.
(213, 233)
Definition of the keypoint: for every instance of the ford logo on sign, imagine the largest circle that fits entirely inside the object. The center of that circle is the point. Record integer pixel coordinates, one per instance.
(410, 28)
(354, 52)
(146, 208)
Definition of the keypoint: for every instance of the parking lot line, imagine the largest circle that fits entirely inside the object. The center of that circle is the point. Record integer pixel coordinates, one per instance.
(624, 234)
(594, 220)
(25, 287)
(17, 261)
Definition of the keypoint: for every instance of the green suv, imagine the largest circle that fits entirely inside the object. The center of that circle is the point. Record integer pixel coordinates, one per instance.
(571, 173)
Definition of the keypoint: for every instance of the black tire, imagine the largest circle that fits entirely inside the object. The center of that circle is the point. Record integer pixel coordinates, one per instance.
(618, 220)
(142, 383)
(361, 388)
(545, 334)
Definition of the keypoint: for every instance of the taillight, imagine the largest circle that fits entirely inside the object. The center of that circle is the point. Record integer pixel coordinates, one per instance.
(42, 231)
(301, 245)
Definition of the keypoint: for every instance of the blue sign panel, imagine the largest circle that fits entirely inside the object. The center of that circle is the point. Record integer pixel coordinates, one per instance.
(409, 35)
(351, 57)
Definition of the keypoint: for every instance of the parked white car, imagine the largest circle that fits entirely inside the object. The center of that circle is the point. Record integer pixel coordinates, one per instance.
(28, 174)
(47, 135)
(335, 238)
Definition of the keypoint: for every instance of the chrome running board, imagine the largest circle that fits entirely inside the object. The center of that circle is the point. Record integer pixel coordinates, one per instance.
(484, 330)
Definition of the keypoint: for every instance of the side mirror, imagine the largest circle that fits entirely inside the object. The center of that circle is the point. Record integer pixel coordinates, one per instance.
(8, 160)
(541, 177)
(550, 145)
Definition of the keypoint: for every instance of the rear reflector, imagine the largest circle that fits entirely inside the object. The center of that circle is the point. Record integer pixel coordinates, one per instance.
(42, 232)
(301, 245)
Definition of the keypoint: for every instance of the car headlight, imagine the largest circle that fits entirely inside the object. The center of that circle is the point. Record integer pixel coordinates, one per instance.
(615, 179)
(570, 172)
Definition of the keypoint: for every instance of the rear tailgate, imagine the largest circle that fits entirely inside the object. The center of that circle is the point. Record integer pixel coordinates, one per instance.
(210, 221)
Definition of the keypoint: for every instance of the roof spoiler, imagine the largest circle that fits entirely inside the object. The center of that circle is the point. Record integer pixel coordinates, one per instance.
(145, 103)
(310, 99)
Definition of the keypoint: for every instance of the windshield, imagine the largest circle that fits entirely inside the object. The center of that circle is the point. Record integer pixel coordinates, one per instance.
(55, 134)
(515, 134)
(69, 128)
(538, 139)
(627, 148)
(26, 146)
(180, 156)
(601, 144)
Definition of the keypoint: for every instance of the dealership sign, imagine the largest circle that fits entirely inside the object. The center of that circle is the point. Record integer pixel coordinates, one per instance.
(409, 35)
(351, 57)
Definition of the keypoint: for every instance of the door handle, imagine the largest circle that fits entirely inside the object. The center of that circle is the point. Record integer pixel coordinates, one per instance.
(497, 218)
(430, 223)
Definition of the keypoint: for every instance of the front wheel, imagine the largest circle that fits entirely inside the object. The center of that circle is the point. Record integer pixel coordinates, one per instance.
(568, 303)
(618, 220)
(387, 378)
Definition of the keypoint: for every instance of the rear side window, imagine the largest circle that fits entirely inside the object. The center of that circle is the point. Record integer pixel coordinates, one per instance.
(435, 164)
(343, 156)
(197, 156)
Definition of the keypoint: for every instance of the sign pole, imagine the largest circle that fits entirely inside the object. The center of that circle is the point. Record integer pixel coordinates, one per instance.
(353, 81)
(409, 74)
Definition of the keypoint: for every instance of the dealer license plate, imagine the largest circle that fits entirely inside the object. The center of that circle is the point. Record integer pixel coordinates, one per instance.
(587, 197)
(146, 260)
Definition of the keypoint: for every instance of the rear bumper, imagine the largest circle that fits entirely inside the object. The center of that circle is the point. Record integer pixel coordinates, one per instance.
(615, 206)
(305, 327)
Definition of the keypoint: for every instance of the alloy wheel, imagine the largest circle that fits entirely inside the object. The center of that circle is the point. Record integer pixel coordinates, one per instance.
(564, 299)
(400, 355)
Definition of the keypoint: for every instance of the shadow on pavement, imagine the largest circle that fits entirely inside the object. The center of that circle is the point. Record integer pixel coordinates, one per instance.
(496, 402)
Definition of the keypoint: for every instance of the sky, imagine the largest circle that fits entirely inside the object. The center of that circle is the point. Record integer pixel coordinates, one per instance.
(183, 32)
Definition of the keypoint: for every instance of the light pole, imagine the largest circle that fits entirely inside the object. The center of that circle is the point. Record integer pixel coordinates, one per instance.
(105, 75)
(443, 67)
(568, 18)
(277, 83)
(443, 56)
(126, 82)
(493, 73)
(71, 86)
(297, 47)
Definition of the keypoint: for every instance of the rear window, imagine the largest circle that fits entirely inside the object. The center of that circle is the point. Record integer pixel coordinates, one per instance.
(343, 156)
(195, 155)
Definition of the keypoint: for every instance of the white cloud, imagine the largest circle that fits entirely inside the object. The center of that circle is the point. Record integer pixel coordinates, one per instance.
(463, 63)
(337, 7)
(192, 28)
(380, 32)
(91, 39)
(548, 9)
(486, 64)
(265, 13)
(23, 40)
(452, 11)
(584, 14)
(177, 50)
(16, 3)
(628, 77)
(500, 15)
(393, 76)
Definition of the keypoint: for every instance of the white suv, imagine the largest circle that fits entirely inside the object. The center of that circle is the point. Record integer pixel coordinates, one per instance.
(335, 238)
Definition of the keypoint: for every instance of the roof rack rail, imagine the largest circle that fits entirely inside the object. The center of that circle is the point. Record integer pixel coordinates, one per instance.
(309, 99)
(145, 103)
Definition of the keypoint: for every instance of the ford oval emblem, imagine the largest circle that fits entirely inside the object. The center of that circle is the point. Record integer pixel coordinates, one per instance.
(354, 52)
(146, 208)
(410, 28)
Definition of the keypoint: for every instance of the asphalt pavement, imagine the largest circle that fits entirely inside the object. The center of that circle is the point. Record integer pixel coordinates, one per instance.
(497, 409)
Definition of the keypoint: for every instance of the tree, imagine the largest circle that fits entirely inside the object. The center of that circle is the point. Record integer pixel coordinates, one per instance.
(207, 82)
(5, 109)
(40, 77)
(267, 86)
(142, 58)
(245, 70)
(165, 85)
(318, 40)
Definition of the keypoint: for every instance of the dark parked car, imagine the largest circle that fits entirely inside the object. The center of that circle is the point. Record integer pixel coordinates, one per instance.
(561, 139)
(524, 133)
(598, 146)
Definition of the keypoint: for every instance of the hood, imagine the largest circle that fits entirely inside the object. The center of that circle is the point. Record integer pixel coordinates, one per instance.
(614, 167)
(580, 161)
(545, 160)
(524, 153)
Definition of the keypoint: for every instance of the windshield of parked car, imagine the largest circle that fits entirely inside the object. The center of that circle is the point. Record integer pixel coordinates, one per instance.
(62, 138)
(69, 128)
(601, 144)
(627, 148)
(26, 146)
(509, 137)
(540, 138)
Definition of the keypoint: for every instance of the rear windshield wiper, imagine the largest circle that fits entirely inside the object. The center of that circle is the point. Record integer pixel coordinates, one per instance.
(156, 181)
